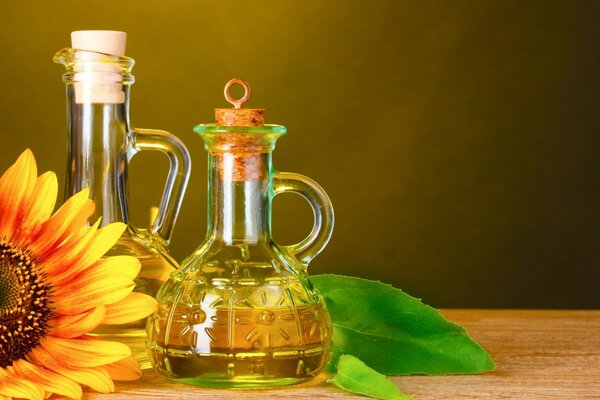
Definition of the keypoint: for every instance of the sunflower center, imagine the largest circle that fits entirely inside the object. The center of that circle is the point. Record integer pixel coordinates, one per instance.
(24, 305)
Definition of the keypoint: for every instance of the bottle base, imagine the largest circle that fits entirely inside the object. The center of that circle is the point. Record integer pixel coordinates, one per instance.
(239, 369)
(239, 382)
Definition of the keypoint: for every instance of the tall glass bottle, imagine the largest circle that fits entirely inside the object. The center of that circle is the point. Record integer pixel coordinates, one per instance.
(100, 146)
(241, 311)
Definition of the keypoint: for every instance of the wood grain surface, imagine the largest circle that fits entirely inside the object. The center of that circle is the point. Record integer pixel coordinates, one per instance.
(539, 355)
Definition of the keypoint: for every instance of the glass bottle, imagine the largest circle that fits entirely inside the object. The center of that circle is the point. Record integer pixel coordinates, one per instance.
(100, 146)
(241, 311)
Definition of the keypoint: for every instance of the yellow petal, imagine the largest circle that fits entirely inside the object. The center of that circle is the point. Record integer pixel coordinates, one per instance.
(85, 352)
(81, 300)
(106, 282)
(14, 386)
(132, 308)
(50, 381)
(16, 187)
(67, 220)
(71, 326)
(127, 369)
(98, 379)
(95, 378)
(40, 208)
(85, 254)
(59, 262)
(104, 239)
(123, 266)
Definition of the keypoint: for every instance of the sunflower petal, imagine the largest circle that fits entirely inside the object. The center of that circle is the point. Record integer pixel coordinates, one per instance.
(126, 369)
(95, 378)
(70, 217)
(16, 187)
(84, 253)
(71, 326)
(50, 381)
(126, 266)
(104, 239)
(85, 352)
(12, 385)
(132, 308)
(101, 380)
(80, 301)
(106, 282)
(40, 208)
(57, 263)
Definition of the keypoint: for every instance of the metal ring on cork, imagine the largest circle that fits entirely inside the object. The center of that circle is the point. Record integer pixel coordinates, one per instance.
(239, 116)
(247, 91)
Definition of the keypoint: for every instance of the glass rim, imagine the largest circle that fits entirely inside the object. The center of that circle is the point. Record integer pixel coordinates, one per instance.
(256, 130)
(79, 64)
(68, 56)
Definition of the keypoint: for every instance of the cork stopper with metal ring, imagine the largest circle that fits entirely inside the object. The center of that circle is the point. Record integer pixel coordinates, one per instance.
(239, 116)
(239, 153)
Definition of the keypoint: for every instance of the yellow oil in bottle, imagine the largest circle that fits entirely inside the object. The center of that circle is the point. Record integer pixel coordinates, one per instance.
(240, 339)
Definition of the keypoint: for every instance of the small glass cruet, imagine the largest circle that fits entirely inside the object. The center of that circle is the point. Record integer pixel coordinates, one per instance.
(241, 311)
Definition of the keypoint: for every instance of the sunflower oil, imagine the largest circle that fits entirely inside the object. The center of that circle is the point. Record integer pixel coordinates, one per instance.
(243, 338)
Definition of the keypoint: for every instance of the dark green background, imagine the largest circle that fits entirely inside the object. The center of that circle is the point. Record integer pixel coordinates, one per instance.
(458, 140)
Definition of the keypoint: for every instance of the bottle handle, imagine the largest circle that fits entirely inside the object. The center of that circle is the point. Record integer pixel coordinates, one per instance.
(322, 229)
(180, 164)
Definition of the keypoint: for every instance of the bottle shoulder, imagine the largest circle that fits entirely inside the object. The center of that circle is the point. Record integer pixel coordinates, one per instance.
(148, 252)
(242, 259)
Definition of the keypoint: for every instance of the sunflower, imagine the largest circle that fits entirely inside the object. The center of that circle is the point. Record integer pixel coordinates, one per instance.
(55, 288)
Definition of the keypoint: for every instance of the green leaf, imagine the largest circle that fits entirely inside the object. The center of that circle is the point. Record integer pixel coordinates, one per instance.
(355, 376)
(394, 333)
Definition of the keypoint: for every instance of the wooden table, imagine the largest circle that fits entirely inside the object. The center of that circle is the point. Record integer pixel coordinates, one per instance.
(539, 355)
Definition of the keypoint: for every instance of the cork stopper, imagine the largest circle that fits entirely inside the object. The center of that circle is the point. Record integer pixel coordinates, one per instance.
(97, 81)
(238, 116)
(239, 155)
(109, 42)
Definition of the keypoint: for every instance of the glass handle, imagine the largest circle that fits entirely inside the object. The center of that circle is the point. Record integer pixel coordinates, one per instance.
(180, 165)
(322, 229)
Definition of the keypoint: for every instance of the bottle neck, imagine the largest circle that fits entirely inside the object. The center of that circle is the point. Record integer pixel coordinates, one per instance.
(239, 202)
(97, 151)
